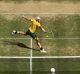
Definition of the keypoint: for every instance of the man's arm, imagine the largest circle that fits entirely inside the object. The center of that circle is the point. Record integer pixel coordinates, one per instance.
(26, 18)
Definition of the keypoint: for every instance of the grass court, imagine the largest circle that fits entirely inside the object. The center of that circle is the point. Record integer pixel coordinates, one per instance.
(63, 40)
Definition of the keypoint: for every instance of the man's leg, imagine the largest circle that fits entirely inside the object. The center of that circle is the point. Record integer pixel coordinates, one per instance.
(40, 46)
(33, 35)
(22, 33)
(18, 32)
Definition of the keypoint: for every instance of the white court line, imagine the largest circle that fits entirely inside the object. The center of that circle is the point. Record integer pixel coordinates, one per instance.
(41, 13)
(23, 38)
(57, 57)
(36, 57)
(31, 58)
(41, 38)
(14, 38)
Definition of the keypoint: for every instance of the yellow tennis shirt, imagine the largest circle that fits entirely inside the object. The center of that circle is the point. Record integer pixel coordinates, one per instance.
(34, 25)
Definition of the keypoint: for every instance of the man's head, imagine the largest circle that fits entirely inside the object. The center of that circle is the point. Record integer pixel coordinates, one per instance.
(38, 18)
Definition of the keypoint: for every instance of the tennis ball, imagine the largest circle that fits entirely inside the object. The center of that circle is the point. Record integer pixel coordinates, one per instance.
(47, 36)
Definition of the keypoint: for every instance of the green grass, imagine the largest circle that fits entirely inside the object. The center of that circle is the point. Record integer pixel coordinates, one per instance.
(66, 26)
(62, 25)
(62, 66)
(57, 47)
(40, 66)
(14, 66)
(15, 47)
(21, 1)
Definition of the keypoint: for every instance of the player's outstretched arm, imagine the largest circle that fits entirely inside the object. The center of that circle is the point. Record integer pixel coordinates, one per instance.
(26, 18)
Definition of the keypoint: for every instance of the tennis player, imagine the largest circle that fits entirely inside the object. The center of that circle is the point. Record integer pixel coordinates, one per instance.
(35, 24)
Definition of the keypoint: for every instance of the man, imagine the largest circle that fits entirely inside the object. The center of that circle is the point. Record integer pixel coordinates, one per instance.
(31, 31)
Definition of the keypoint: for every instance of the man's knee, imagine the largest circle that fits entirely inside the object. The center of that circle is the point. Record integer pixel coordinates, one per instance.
(37, 39)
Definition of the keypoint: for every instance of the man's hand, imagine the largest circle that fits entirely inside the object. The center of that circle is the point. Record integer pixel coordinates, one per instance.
(23, 16)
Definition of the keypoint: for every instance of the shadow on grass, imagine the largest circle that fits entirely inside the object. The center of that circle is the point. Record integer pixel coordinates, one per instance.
(19, 44)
